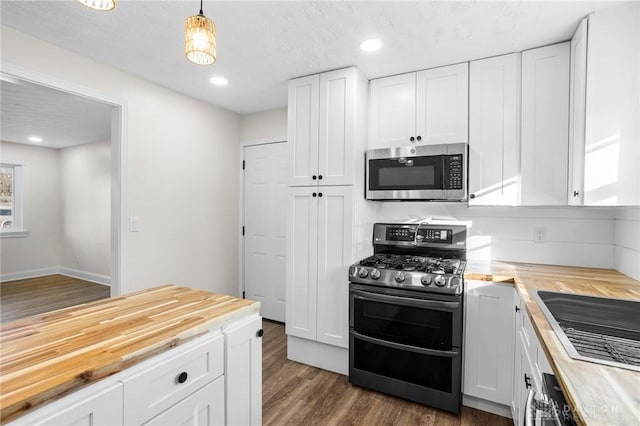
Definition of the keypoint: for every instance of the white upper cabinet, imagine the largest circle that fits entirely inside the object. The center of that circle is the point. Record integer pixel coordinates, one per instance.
(494, 131)
(612, 150)
(326, 120)
(392, 111)
(577, 110)
(427, 107)
(545, 125)
(442, 103)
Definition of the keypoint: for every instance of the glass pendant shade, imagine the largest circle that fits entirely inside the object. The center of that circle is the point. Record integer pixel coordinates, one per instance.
(200, 40)
(99, 4)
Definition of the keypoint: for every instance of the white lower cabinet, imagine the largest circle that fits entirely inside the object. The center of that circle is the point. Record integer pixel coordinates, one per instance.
(205, 407)
(488, 344)
(243, 369)
(214, 379)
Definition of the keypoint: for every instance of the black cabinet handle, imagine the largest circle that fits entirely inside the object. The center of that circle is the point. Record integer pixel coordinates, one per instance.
(576, 193)
(527, 381)
(182, 377)
(472, 196)
(259, 333)
(412, 139)
(320, 177)
(419, 138)
(314, 177)
(314, 194)
(320, 194)
(517, 309)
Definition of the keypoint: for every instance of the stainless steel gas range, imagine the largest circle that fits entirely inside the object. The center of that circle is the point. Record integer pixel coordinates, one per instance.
(405, 313)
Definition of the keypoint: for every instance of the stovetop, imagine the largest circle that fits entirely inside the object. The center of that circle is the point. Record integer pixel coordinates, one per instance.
(423, 257)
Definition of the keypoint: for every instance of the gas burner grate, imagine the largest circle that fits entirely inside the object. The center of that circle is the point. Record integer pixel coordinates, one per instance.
(599, 346)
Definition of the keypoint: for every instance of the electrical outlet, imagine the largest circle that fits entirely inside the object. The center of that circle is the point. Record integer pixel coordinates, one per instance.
(134, 224)
(539, 234)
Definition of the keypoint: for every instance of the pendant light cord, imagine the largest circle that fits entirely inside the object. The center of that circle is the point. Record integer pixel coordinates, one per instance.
(201, 12)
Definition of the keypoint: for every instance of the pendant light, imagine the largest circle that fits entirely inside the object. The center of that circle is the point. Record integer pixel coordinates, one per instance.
(99, 4)
(200, 39)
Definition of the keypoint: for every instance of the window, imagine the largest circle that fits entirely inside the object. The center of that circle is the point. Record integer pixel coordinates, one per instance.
(12, 199)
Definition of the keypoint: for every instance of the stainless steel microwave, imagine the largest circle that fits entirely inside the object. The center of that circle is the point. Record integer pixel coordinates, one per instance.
(426, 172)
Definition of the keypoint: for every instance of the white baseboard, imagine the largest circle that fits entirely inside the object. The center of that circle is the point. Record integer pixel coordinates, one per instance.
(74, 273)
(484, 405)
(318, 354)
(34, 273)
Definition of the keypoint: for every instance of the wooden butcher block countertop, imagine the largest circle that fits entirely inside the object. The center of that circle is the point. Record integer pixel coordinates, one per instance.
(601, 395)
(45, 356)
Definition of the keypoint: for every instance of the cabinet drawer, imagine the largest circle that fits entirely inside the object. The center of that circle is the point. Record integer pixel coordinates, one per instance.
(170, 377)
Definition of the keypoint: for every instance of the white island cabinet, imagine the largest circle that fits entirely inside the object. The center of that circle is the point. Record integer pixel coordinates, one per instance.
(191, 384)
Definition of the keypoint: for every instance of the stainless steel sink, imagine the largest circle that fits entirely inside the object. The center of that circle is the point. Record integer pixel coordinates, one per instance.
(596, 329)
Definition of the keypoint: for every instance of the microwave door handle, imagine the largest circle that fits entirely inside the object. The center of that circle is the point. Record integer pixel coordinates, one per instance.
(404, 347)
(404, 301)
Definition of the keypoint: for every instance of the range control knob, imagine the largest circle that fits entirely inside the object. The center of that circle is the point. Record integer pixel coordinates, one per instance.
(363, 273)
(454, 282)
(440, 281)
(425, 279)
(399, 276)
(375, 274)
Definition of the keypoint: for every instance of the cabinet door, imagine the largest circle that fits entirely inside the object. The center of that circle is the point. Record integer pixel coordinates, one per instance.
(442, 100)
(243, 372)
(337, 132)
(517, 360)
(334, 257)
(203, 408)
(303, 130)
(494, 137)
(577, 111)
(87, 406)
(545, 125)
(302, 260)
(489, 334)
(392, 111)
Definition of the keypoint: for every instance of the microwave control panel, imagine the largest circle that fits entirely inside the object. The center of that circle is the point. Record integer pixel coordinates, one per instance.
(453, 172)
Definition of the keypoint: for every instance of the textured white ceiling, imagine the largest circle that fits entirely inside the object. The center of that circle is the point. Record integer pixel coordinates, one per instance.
(59, 118)
(262, 44)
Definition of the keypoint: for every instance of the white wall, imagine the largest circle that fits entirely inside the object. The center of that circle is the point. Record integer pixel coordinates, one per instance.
(627, 241)
(182, 171)
(85, 181)
(40, 250)
(264, 125)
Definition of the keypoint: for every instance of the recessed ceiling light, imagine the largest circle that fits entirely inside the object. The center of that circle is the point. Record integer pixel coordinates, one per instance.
(35, 139)
(371, 45)
(219, 81)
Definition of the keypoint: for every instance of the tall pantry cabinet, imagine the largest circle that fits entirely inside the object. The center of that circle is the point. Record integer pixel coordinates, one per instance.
(326, 139)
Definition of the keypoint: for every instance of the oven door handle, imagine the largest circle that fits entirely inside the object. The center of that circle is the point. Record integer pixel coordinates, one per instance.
(404, 301)
(402, 346)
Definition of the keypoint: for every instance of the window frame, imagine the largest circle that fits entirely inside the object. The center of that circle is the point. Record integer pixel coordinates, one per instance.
(19, 228)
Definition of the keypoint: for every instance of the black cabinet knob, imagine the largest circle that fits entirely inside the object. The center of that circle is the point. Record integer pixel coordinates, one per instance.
(314, 177)
(314, 194)
(472, 195)
(412, 139)
(527, 381)
(419, 138)
(320, 194)
(320, 177)
(259, 333)
(182, 377)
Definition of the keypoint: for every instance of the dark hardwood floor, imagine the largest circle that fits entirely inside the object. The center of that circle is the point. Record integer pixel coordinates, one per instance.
(297, 394)
(22, 298)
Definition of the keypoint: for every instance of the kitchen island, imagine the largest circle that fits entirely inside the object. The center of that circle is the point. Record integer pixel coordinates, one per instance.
(599, 394)
(122, 341)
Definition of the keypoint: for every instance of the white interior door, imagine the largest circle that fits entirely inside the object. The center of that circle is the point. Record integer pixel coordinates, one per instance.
(265, 192)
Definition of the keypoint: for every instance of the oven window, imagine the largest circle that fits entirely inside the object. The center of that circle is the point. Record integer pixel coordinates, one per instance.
(427, 328)
(408, 173)
(424, 370)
